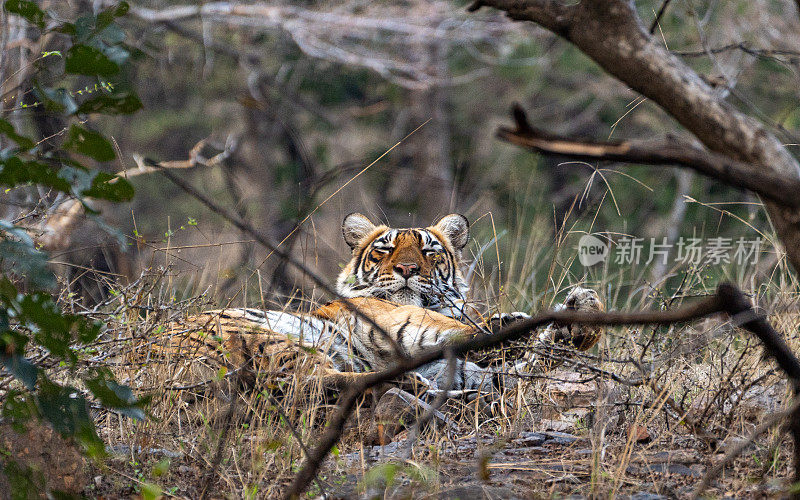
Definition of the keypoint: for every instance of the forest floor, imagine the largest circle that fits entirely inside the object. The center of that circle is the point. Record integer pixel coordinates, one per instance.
(593, 451)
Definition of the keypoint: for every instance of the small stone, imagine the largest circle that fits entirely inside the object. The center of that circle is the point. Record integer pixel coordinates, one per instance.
(560, 438)
(530, 438)
(733, 442)
(679, 469)
(638, 434)
(673, 457)
(643, 495)
(557, 425)
(683, 470)
(398, 409)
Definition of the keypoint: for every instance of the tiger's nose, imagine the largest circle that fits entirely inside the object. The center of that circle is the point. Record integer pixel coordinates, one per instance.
(407, 270)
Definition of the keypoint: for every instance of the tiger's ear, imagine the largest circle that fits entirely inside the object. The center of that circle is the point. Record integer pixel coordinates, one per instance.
(456, 228)
(355, 228)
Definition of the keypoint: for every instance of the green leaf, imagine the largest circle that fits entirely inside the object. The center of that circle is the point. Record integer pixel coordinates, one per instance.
(18, 410)
(151, 491)
(90, 143)
(107, 16)
(53, 330)
(112, 34)
(87, 331)
(8, 130)
(382, 475)
(115, 396)
(86, 60)
(26, 9)
(56, 100)
(116, 53)
(110, 187)
(67, 29)
(84, 27)
(70, 178)
(24, 481)
(123, 104)
(21, 368)
(14, 172)
(161, 467)
(67, 410)
(24, 260)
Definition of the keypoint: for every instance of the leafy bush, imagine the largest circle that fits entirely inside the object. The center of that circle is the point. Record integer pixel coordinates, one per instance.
(30, 319)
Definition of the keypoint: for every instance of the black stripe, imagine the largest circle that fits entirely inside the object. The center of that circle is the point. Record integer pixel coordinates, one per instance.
(462, 379)
(421, 337)
(401, 331)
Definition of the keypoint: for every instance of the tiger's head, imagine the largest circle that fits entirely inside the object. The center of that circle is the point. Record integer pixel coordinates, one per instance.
(415, 266)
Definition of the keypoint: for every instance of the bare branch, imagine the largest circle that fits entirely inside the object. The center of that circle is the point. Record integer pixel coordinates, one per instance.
(746, 48)
(612, 34)
(196, 159)
(54, 231)
(668, 151)
(551, 14)
(737, 305)
(379, 38)
(254, 60)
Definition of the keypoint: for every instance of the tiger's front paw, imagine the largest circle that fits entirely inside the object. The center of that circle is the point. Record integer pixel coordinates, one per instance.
(499, 321)
(581, 337)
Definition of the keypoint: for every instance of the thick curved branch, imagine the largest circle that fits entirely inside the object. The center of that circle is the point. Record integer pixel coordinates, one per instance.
(668, 151)
(612, 34)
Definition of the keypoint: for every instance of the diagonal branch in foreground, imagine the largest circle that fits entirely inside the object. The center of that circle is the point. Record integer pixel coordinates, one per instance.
(728, 299)
(668, 151)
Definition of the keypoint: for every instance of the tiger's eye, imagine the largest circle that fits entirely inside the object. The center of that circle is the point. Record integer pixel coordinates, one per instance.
(436, 255)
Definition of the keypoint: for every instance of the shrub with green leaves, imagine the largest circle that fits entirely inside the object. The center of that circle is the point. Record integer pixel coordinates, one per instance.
(30, 319)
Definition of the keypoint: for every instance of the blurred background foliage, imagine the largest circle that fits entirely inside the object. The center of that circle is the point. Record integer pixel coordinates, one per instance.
(303, 96)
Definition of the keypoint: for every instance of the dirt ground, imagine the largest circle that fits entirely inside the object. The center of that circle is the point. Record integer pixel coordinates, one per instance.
(616, 456)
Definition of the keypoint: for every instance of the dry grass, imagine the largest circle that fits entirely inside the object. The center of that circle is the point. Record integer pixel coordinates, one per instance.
(708, 374)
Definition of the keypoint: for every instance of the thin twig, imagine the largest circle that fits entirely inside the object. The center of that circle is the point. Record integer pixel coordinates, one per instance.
(223, 437)
(669, 151)
(660, 14)
(277, 406)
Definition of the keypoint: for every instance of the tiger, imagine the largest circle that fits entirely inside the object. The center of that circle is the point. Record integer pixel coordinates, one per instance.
(407, 281)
